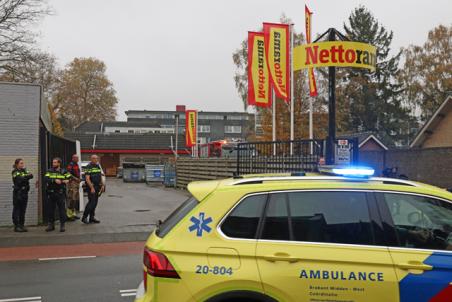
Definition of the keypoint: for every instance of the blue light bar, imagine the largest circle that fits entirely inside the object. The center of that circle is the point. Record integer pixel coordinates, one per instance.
(353, 171)
(347, 171)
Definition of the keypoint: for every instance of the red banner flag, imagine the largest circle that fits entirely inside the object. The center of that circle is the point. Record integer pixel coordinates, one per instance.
(191, 127)
(277, 40)
(312, 83)
(259, 88)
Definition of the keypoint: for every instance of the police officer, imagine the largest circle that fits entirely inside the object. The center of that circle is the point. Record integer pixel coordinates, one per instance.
(73, 188)
(56, 180)
(21, 181)
(95, 187)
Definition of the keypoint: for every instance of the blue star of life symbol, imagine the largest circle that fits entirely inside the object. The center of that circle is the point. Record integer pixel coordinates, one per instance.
(200, 224)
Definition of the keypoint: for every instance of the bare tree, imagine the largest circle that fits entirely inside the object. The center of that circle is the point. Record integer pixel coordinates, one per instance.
(16, 20)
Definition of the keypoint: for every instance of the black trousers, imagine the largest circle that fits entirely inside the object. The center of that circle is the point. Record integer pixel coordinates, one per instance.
(93, 198)
(20, 200)
(57, 199)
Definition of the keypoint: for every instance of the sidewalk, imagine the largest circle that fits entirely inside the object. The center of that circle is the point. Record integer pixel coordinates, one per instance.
(128, 212)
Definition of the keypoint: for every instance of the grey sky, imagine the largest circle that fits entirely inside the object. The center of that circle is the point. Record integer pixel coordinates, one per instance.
(163, 53)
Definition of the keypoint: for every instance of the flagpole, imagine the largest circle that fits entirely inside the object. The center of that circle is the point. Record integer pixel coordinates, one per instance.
(311, 126)
(292, 99)
(273, 121)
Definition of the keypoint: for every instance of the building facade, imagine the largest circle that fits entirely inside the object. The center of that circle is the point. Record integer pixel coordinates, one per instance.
(212, 126)
(437, 131)
(25, 132)
(19, 137)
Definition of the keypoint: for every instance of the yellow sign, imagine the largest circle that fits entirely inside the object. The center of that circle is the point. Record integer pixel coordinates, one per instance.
(335, 53)
(277, 51)
(191, 128)
(259, 89)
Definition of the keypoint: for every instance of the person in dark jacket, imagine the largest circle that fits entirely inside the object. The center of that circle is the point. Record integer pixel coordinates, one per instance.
(21, 180)
(56, 179)
(95, 187)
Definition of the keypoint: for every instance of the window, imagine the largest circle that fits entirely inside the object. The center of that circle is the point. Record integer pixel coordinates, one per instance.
(237, 117)
(232, 129)
(130, 131)
(276, 225)
(333, 217)
(243, 221)
(204, 128)
(170, 222)
(117, 131)
(421, 222)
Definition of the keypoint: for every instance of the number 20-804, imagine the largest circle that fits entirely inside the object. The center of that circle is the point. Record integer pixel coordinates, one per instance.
(215, 270)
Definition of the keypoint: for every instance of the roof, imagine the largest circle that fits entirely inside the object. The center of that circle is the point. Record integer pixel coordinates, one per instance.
(363, 138)
(199, 111)
(96, 127)
(444, 109)
(126, 141)
(265, 183)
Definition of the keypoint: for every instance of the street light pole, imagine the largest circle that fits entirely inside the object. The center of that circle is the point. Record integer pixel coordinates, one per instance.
(292, 98)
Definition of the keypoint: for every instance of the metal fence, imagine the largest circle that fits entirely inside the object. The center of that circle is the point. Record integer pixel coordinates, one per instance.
(52, 146)
(290, 156)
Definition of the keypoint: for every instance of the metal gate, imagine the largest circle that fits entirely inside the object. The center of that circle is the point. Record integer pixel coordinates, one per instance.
(289, 156)
(52, 146)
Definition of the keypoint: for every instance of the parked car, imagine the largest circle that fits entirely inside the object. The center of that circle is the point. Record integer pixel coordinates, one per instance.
(339, 235)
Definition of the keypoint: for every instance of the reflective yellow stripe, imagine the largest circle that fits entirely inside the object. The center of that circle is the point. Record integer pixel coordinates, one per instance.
(53, 175)
(23, 174)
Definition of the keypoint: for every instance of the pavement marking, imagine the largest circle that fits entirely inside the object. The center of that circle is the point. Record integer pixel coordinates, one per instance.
(64, 258)
(127, 292)
(28, 299)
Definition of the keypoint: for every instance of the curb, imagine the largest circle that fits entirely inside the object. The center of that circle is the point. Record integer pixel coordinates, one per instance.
(71, 239)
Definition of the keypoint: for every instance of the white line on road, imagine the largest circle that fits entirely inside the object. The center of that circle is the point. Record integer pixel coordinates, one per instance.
(128, 290)
(29, 299)
(64, 258)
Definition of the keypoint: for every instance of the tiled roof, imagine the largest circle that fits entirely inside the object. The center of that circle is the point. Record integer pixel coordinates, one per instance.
(93, 127)
(364, 136)
(127, 141)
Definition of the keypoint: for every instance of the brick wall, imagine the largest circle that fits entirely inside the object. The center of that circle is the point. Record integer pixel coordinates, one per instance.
(19, 137)
(432, 166)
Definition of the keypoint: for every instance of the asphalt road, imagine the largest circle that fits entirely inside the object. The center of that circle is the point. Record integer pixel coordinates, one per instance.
(89, 262)
(89, 279)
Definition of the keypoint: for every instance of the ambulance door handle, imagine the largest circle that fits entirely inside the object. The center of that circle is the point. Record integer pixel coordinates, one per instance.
(414, 265)
(281, 257)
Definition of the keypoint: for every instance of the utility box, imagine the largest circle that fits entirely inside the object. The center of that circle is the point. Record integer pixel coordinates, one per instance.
(133, 172)
(154, 173)
(169, 175)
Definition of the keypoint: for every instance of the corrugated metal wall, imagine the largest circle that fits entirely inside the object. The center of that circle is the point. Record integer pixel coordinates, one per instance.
(19, 137)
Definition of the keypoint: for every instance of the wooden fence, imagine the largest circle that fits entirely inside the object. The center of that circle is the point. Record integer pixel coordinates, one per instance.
(193, 169)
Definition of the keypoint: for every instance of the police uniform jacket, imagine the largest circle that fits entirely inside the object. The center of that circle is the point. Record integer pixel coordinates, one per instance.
(52, 175)
(95, 173)
(21, 179)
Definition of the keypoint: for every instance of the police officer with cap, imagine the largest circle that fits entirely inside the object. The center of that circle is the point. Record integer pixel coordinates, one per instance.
(56, 180)
(95, 187)
(21, 180)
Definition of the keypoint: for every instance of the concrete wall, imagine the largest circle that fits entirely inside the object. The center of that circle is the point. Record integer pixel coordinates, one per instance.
(432, 166)
(19, 137)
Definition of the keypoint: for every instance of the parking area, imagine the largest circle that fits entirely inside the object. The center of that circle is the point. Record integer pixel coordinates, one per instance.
(128, 212)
